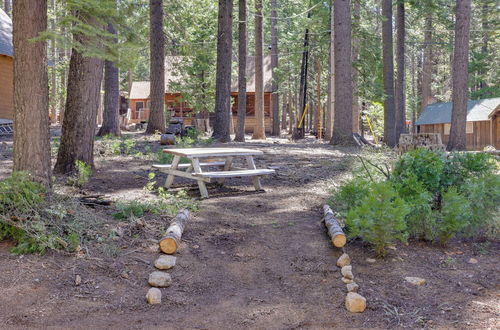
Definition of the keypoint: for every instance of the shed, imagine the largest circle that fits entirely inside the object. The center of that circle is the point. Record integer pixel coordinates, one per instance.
(483, 122)
(6, 68)
(139, 95)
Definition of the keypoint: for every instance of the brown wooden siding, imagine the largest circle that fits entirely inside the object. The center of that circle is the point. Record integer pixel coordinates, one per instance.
(6, 87)
(477, 140)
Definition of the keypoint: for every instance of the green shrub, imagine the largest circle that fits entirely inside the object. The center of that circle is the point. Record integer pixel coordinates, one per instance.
(18, 193)
(349, 195)
(459, 167)
(426, 165)
(132, 209)
(379, 219)
(453, 217)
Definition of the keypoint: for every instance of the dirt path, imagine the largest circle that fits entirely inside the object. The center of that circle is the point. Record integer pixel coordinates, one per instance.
(254, 260)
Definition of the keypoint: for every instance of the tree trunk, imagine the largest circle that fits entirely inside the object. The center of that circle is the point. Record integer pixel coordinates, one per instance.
(53, 71)
(426, 80)
(7, 7)
(458, 140)
(31, 100)
(80, 114)
(301, 104)
(388, 73)
(276, 130)
(223, 74)
(111, 116)
(63, 78)
(400, 76)
(355, 57)
(318, 118)
(242, 65)
(342, 133)
(156, 120)
(284, 110)
(331, 83)
(259, 129)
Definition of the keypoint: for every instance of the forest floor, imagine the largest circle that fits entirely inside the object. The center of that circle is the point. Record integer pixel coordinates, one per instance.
(247, 260)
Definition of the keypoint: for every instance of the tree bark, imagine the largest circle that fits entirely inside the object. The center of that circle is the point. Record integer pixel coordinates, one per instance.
(259, 129)
(335, 231)
(111, 116)
(53, 71)
(170, 243)
(355, 57)
(331, 83)
(276, 130)
(242, 67)
(31, 100)
(342, 132)
(388, 73)
(284, 110)
(426, 79)
(223, 74)
(458, 137)
(80, 114)
(156, 120)
(400, 76)
(7, 7)
(318, 116)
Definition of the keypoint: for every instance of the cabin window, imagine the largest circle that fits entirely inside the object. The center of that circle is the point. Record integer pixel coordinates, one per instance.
(469, 128)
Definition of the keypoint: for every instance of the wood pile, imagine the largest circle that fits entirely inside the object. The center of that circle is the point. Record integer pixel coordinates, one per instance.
(430, 141)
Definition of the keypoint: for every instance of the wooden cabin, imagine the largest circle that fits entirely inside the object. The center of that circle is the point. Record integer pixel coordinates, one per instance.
(6, 69)
(139, 96)
(482, 128)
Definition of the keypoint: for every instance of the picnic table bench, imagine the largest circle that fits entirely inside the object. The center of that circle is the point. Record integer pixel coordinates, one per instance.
(193, 170)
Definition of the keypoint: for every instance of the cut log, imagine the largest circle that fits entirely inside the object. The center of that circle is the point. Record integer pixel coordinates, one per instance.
(334, 229)
(170, 243)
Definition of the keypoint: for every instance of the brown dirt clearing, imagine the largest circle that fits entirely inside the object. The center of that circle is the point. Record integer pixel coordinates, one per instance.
(248, 260)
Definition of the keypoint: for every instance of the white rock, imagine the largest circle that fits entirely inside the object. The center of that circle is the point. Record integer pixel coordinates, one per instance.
(472, 261)
(355, 303)
(344, 260)
(370, 260)
(352, 287)
(78, 280)
(165, 262)
(347, 272)
(347, 280)
(153, 296)
(415, 280)
(160, 279)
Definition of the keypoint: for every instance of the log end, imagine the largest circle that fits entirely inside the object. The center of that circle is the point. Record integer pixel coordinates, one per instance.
(168, 245)
(339, 240)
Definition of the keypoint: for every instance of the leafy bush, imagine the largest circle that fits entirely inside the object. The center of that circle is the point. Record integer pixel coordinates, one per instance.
(37, 222)
(453, 216)
(444, 195)
(133, 209)
(379, 219)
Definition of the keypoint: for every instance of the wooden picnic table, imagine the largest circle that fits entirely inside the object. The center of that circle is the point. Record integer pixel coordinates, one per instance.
(194, 170)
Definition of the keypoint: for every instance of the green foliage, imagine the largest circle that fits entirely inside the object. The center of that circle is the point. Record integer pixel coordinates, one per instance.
(34, 221)
(349, 195)
(454, 215)
(426, 165)
(133, 209)
(379, 219)
(443, 196)
(82, 174)
(18, 193)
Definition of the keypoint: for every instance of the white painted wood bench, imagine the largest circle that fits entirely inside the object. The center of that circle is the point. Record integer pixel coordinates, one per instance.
(194, 170)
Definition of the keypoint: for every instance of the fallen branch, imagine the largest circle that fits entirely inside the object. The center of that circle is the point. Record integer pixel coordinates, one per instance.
(170, 243)
(334, 229)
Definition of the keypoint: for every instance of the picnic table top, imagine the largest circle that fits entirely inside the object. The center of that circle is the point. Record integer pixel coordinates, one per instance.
(213, 152)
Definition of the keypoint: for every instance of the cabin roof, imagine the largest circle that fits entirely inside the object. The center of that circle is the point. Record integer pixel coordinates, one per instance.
(5, 34)
(140, 89)
(440, 113)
